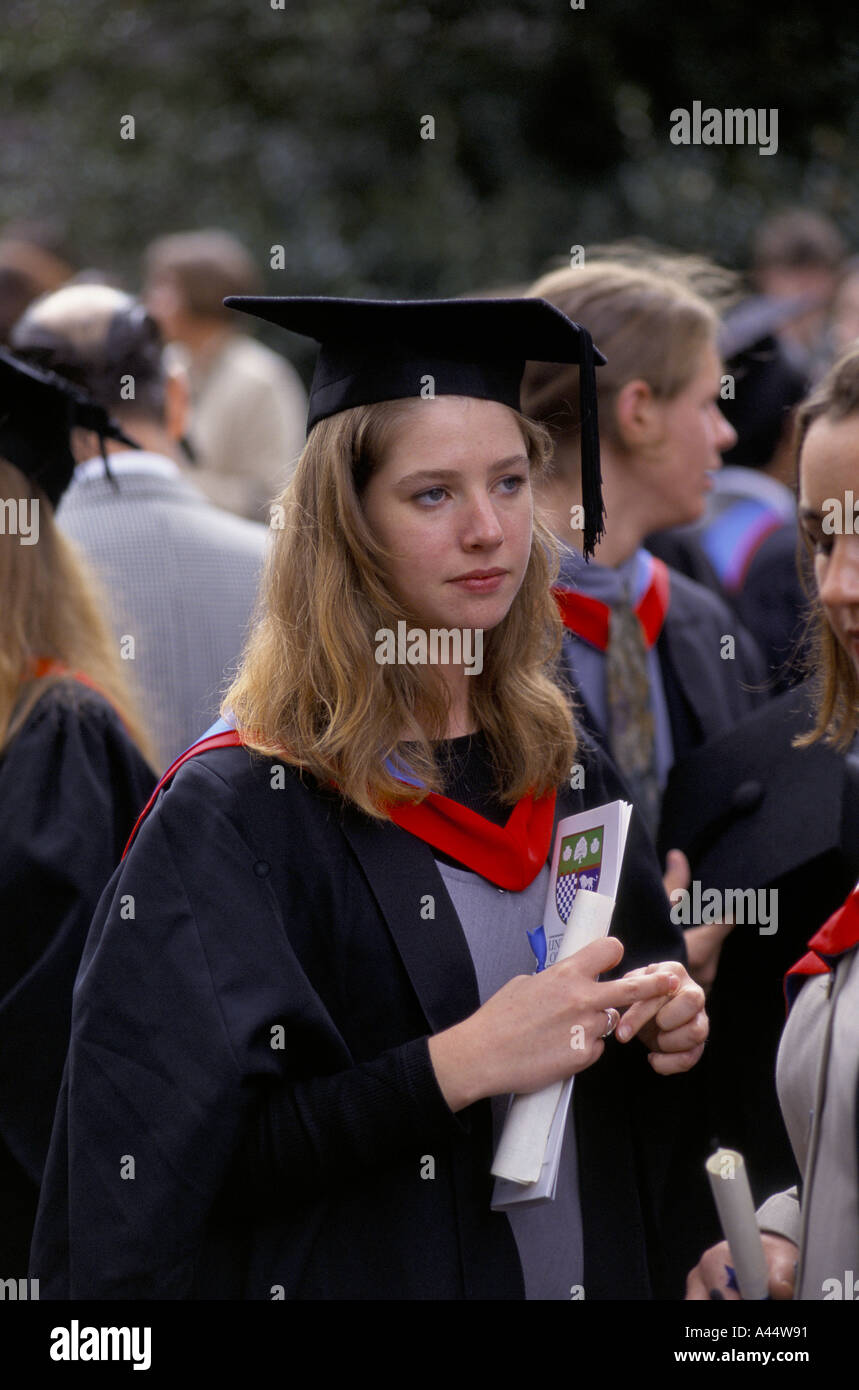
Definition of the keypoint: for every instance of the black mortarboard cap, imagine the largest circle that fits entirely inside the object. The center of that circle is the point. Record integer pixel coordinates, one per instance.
(373, 350)
(38, 411)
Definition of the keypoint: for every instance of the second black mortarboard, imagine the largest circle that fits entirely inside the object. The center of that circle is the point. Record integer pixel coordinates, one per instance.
(373, 350)
(38, 411)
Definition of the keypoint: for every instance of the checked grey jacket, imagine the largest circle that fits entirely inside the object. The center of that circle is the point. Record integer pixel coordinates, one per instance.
(180, 576)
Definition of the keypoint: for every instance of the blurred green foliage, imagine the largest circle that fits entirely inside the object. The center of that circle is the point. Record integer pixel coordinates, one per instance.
(301, 126)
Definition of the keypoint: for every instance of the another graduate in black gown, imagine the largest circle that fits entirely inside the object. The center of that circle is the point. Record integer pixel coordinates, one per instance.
(280, 1072)
(72, 779)
(811, 1231)
(780, 820)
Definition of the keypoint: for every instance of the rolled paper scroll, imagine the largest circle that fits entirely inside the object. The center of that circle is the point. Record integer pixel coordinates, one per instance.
(729, 1183)
(522, 1145)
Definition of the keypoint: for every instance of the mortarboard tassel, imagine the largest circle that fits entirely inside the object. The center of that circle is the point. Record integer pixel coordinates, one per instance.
(590, 447)
(107, 470)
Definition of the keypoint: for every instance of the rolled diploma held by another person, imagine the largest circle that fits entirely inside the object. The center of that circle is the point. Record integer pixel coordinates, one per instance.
(729, 1184)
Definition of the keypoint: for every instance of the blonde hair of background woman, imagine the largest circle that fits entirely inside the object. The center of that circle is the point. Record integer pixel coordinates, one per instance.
(50, 609)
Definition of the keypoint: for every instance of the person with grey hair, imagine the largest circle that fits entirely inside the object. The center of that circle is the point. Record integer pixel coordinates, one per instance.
(248, 405)
(181, 573)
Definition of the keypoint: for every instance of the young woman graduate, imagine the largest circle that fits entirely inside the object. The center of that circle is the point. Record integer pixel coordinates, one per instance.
(281, 1064)
(811, 1243)
(72, 775)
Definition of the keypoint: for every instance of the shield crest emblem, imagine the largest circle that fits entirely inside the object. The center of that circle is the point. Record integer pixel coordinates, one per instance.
(578, 867)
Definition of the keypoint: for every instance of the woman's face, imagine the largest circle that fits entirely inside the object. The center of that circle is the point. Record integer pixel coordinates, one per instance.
(691, 434)
(451, 498)
(828, 482)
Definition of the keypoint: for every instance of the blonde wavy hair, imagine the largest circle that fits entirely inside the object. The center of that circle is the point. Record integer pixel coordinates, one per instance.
(51, 610)
(310, 691)
(832, 673)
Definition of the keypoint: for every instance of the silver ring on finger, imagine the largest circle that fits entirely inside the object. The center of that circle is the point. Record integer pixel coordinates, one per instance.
(613, 1020)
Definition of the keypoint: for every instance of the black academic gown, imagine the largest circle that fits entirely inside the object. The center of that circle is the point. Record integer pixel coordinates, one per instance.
(705, 694)
(71, 785)
(753, 812)
(278, 952)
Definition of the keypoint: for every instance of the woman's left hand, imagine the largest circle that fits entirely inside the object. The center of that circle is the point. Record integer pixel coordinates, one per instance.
(673, 1027)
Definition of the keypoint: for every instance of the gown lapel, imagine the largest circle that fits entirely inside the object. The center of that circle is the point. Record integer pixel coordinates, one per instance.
(685, 675)
(401, 871)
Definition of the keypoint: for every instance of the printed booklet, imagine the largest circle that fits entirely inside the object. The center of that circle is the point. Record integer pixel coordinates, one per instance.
(585, 870)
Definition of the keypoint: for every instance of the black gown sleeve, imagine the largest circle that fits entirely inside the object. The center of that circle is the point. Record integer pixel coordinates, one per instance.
(71, 785)
(171, 1040)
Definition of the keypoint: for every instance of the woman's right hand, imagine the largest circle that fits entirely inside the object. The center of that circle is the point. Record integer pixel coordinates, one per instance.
(539, 1028)
(710, 1273)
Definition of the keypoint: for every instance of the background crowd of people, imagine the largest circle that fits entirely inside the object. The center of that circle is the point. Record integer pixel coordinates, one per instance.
(166, 440)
